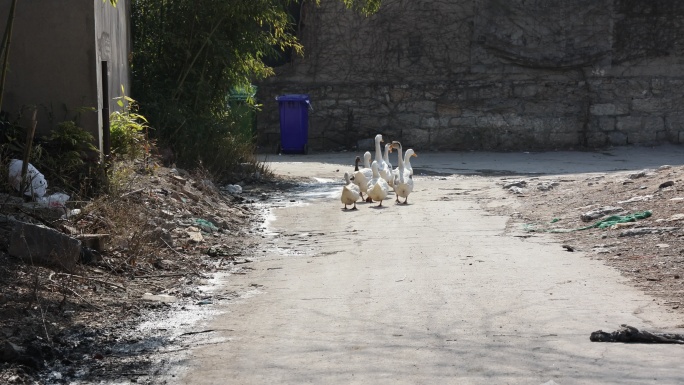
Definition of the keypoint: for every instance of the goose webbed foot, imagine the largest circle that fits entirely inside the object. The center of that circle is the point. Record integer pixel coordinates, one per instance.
(354, 208)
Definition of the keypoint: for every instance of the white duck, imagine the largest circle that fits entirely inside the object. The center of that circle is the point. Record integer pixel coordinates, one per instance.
(403, 182)
(407, 160)
(395, 173)
(366, 160)
(377, 186)
(350, 192)
(361, 177)
(382, 166)
(385, 158)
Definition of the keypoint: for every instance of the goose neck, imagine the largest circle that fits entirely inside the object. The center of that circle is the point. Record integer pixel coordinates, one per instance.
(378, 151)
(400, 157)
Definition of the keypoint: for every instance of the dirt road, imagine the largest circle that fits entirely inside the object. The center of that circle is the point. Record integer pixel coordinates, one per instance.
(434, 292)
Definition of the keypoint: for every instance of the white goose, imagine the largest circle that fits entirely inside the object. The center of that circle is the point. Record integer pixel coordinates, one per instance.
(350, 192)
(366, 159)
(377, 186)
(403, 182)
(361, 177)
(385, 158)
(395, 173)
(382, 166)
(407, 160)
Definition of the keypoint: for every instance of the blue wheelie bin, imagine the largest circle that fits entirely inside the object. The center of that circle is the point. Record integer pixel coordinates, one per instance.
(294, 123)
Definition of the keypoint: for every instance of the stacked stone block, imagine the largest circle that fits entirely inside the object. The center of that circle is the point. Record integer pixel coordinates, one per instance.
(469, 75)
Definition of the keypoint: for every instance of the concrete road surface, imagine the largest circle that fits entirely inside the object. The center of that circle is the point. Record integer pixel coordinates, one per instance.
(433, 292)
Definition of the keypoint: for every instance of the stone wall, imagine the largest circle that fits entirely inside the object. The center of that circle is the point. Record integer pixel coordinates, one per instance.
(488, 74)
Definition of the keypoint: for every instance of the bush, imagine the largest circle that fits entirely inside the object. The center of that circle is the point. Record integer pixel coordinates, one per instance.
(69, 159)
(66, 157)
(220, 147)
(128, 130)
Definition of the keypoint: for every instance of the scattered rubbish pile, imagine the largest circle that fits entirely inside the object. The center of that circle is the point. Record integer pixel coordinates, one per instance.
(145, 249)
(35, 186)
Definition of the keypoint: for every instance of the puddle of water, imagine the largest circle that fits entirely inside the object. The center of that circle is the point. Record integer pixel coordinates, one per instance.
(266, 226)
(163, 332)
(465, 171)
(322, 189)
(180, 319)
(324, 180)
(302, 195)
(417, 171)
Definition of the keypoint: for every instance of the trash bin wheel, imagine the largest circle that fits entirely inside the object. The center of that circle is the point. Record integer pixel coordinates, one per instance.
(278, 149)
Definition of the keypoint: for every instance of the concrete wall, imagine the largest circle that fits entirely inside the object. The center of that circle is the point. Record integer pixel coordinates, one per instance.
(488, 74)
(55, 59)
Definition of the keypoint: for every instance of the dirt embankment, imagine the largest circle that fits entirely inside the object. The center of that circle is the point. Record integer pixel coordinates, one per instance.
(165, 233)
(647, 247)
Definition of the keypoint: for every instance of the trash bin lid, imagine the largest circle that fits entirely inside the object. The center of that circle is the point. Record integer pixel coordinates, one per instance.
(293, 98)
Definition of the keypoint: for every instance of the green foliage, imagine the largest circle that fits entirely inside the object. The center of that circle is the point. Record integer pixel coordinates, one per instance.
(67, 157)
(365, 7)
(128, 130)
(71, 145)
(13, 139)
(189, 55)
(221, 149)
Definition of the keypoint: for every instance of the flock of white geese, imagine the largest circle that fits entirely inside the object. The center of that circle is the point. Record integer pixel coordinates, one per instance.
(377, 178)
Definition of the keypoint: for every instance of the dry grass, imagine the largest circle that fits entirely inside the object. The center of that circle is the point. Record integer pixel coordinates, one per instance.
(49, 311)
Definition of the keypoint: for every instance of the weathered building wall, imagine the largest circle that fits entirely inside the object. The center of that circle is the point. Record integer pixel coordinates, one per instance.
(113, 45)
(55, 60)
(488, 74)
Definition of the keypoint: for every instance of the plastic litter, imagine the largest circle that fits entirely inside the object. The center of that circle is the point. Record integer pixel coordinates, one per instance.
(600, 212)
(159, 298)
(205, 225)
(54, 201)
(38, 185)
(602, 224)
(637, 199)
(516, 190)
(70, 213)
(233, 189)
(615, 219)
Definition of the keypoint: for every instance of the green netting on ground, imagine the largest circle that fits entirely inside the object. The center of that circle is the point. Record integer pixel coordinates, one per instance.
(602, 224)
